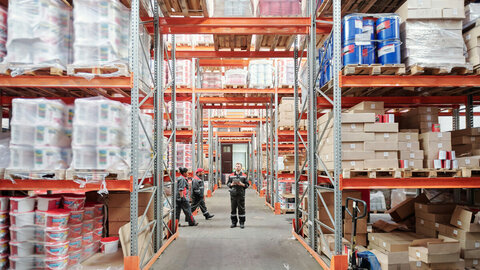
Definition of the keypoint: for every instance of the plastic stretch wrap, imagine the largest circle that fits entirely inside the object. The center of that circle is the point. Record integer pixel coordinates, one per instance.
(40, 35)
(190, 40)
(236, 77)
(230, 8)
(39, 140)
(183, 157)
(286, 72)
(183, 110)
(3, 32)
(377, 201)
(261, 74)
(432, 43)
(278, 8)
(5, 150)
(212, 79)
(472, 13)
(183, 73)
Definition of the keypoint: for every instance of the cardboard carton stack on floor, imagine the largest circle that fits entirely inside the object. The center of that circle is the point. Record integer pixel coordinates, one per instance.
(465, 227)
(466, 142)
(391, 249)
(434, 253)
(428, 217)
(286, 114)
(437, 148)
(421, 118)
(411, 157)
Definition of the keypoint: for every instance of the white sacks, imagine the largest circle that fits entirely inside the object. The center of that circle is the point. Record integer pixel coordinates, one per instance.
(39, 35)
(38, 138)
(261, 74)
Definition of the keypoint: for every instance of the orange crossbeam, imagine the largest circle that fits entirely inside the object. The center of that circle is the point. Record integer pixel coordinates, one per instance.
(410, 81)
(65, 82)
(201, 54)
(401, 102)
(420, 182)
(234, 99)
(223, 62)
(189, 91)
(234, 119)
(235, 107)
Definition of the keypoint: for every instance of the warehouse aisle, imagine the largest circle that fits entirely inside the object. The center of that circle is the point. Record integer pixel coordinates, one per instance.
(265, 243)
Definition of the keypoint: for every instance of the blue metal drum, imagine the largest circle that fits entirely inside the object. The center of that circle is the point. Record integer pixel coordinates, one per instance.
(389, 52)
(351, 54)
(368, 54)
(388, 28)
(351, 27)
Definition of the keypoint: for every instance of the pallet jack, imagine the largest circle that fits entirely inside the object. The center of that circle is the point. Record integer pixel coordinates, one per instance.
(356, 214)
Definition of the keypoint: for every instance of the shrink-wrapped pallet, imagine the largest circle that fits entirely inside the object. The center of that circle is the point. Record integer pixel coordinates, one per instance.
(282, 8)
(183, 73)
(236, 77)
(40, 35)
(230, 8)
(212, 79)
(183, 111)
(261, 74)
(286, 72)
(3, 33)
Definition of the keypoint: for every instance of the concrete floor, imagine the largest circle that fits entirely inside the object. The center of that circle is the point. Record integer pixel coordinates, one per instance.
(265, 243)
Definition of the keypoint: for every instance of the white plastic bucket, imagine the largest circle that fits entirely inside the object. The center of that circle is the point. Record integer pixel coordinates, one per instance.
(22, 263)
(98, 223)
(22, 249)
(57, 218)
(74, 257)
(22, 219)
(75, 244)
(76, 217)
(56, 262)
(73, 202)
(22, 234)
(109, 245)
(97, 234)
(4, 232)
(3, 261)
(56, 234)
(56, 249)
(75, 231)
(4, 203)
(48, 202)
(22, 204)
(89, 212)
(88, 226)
(4, 247)
(87, 238)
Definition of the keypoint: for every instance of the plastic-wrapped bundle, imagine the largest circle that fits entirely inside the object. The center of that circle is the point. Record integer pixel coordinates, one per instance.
(230, 8)
(261, 74)
(472, 13)
(202, 40)
(278, 8)
(235, 77)
(38, 111)
(183, 73)
(181, 39)
(286, 72)
(3, 33)
(5, 150)
(40, 35)
(212, 79)
(183, 157)
(98, 158)
(183, 110)
(98, 110)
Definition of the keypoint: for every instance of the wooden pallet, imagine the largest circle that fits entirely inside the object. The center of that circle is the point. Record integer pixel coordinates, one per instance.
(286, 86)
(232, 42)
(32, 71)
(118, 69)
(374, 69)
(240, 86)
(184, 128)
(431, 173)
(98, 175)
(185, 8)
(468, 172)
(440, 70)
(286, 128)
(287, 211)
(372, 173)
(16, 174)
(273, 42)
(355, 6)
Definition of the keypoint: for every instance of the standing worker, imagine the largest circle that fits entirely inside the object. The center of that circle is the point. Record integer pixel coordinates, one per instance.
(198, 194)
(237, 182)
(183, 203)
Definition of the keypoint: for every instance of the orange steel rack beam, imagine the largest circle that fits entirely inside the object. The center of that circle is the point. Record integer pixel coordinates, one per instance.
(243, 119)
(64, 82)
(223, 62)
(402, 101)
(112, 185)
(229, 54)
(410, 81)
(420, 182)
(235, 107)
(288, 91)
(257, 100)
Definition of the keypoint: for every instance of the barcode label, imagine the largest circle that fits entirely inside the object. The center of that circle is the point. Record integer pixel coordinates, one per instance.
(386, 50)
(409, 137)
(386, 135)
(412, 155)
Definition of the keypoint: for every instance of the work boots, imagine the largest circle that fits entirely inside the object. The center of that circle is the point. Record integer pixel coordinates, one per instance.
(208, 216)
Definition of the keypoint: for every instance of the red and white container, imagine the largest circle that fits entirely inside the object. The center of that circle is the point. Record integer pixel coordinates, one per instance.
(40, 218)
(55, 234)
(109, 245)
(3, 261)
(57, 218)
(76, 217)
(89, 212)
(22, 204)
(22, 219)
(97, 234)
(4, 219)
(98, 209)
(73, 201)
(98, 222)
(17, 262)
(75, 244)
(87, 238)
(87, 226)
(3, 247)
(75, 231)
(88, 251)
(22, 249)
(21, 234)
(4, 232)
(56, 249)
(48, 202)
(56, 262)
(4, 204)
(74, 257)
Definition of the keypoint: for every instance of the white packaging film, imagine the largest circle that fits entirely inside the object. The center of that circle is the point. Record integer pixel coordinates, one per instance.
(261, 74)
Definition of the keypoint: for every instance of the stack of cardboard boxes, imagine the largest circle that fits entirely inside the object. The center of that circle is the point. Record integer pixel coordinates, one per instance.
(471, 37)
(466, 142)
(411, 157)
(423, 118)
(434, 253)
(286, 114)
(391, 249)
(385, 145)
(428, 217)
(437, 148)
(289, 162)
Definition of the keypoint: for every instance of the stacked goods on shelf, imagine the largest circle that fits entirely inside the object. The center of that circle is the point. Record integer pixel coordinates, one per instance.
(236, 78)
(184, 156)
(38, 139)
(183, 73)
(286, 114)
(3, 33)
(230, 8)
(281, 8)
(261, 74)
(434, 253)
(144, 150)
(424, 119)
(100, 135)
(428, 218)
(472, 13)
(432, 34)
(212, 79)
(325, 56)
(183, 114)
(252, 113)
(190, 40)
(40, 36)
(466, 142)
(50, 237)
(473, 45)
(411, 157)
(289, 162)
(286, 72)
(202, 40)
(437, 148)
(286, 197)
(362, 31)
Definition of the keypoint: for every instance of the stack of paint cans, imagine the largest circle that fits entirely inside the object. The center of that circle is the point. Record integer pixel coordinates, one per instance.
(388, 36)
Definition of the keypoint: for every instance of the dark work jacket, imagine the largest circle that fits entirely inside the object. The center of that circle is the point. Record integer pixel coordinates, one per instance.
(198, 189)
(182, 187)
(236, 190)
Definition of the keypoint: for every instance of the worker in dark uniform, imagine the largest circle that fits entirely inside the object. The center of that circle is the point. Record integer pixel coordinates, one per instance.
(237, 182)
(183, 203)
(198, 194)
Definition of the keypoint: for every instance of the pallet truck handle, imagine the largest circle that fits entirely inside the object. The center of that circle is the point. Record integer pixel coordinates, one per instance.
(362, 214)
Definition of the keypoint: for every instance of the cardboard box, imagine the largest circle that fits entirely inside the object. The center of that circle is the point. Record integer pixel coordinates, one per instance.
(414, 154)
(433, 250)
(419, 265)
(409, 146)
(381, 163)
(436, 136)
(122, 199)
(386, 155)
(468, 240)
(349, 155)
(468, 162)
(472, 263)
(436, 219)
(435, 208)
(466, 149)
(123, 214)
(465, 140)
(327, 244)
(390, 137)
(348, 118)
(415, 164)
(388, 258)
(353, 127)
(380, 146)
(408, 136)
(392, 242)
(357, 137)
(368, 105)
(470, 253)
(464, 218)
(361, 226)
(406, 208)
(428, 110)
(381, 127)
(361, 239)
(466, 132)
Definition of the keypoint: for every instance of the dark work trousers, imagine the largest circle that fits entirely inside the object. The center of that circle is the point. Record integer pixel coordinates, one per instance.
(184, 204)
(238, 202)
(199, 202)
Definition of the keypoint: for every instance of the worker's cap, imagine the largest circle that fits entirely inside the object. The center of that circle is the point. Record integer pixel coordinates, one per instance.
(199, 170)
